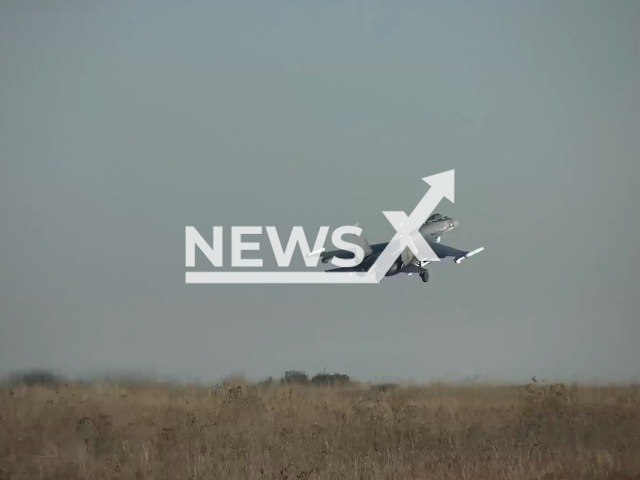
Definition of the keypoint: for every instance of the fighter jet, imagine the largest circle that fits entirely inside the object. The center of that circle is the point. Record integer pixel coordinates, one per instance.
(432, 230)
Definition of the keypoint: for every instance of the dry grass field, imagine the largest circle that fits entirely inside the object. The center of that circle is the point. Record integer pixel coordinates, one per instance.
(100, 431)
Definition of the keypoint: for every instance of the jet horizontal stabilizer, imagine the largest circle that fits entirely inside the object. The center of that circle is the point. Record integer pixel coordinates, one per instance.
(315, 253)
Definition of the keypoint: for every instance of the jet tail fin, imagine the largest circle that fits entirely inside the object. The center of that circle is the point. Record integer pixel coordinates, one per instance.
(359, 240)
(362, 242)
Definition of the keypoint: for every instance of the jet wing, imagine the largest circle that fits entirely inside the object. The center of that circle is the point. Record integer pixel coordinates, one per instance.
(443, 251)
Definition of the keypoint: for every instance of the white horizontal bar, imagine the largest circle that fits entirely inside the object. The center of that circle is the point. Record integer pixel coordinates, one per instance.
(279, 277)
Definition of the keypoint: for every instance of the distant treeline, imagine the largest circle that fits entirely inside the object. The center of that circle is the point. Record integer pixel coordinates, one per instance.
(35, 377)
(47, 377)
(321, 379)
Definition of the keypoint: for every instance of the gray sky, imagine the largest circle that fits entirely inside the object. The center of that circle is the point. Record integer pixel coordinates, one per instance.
(123, 122)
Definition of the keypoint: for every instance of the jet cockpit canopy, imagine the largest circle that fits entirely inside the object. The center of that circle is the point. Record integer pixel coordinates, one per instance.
(436, 217)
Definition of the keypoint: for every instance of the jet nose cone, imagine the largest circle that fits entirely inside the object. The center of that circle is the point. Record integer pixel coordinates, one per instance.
(454, 223)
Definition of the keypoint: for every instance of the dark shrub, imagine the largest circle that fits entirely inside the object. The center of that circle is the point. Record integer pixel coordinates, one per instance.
(330, 379)
(294, 376)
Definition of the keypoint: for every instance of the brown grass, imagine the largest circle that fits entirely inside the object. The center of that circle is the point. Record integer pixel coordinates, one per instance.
(97, 431)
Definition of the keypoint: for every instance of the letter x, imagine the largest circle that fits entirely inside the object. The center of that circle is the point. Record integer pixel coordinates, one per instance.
(408, 235)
